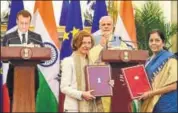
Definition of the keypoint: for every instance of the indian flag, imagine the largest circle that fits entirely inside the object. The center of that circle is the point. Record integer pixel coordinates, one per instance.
(44, 24)
(125, 25)
(125, 28)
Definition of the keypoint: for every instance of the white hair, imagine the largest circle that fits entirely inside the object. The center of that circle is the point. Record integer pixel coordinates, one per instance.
(105, 17)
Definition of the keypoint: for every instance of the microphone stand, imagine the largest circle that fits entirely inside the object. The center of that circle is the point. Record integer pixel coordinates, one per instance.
(125, 41)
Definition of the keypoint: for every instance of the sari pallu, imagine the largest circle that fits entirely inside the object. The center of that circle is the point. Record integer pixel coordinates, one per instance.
(161, 71)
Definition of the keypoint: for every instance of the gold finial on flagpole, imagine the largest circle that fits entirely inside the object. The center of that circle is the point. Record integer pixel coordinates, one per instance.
(113, 9)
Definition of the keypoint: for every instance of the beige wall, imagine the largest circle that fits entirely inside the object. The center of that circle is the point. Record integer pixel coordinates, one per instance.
(174, 20)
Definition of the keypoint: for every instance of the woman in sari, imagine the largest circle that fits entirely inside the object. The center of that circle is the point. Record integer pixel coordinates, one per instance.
(73, 84)
(161, 69)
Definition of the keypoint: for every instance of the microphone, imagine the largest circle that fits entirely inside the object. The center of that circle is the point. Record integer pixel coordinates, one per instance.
(7, 42)
(120, 39)
(125, 41)
(37, 41)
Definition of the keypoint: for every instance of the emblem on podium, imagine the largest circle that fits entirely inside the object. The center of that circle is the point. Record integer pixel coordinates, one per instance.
(26, 53)
(125, 56)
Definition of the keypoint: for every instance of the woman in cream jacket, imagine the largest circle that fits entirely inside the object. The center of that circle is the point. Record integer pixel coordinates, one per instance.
(73, 85)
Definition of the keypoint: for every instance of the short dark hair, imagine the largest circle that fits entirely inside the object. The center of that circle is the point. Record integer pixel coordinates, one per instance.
(24, 13)
(78, 38)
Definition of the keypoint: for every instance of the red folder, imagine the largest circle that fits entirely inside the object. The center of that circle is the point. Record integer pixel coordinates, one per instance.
(97, 78)
(136, 80)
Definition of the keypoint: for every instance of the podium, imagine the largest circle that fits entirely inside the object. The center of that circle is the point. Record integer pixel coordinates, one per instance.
(24, 60)
(121, 100)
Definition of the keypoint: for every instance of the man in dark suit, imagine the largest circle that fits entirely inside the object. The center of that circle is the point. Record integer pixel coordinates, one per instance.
(21, 36)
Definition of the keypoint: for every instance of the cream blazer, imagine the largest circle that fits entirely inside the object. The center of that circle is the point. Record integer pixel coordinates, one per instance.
(68, 85)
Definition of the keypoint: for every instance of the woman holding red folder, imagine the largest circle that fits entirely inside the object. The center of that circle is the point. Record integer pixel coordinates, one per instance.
(73, 84)
(161, 69)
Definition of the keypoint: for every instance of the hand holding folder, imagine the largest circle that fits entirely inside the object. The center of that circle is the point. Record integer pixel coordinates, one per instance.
(136, 80)
(98, 78)
(87, 95)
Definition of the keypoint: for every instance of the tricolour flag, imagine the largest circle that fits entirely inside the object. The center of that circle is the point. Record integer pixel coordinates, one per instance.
(125, 25)
(125, 28)
(5, 94)
(16, 6)
(99, 11)
(64, 13)
(45, 25)
(74, 24)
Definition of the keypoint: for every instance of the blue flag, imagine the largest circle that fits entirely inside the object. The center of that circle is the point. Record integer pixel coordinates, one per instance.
(16, 6)
(64, 13)
(74, 24)
(100, 10)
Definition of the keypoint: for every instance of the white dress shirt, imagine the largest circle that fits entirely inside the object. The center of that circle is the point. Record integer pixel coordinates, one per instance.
(20, 35)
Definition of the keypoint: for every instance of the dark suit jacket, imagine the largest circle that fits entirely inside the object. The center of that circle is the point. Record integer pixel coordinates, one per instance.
(13, 38)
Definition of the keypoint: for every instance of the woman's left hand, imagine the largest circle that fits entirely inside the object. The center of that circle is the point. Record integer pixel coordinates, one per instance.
(145, 95)
(111, 83)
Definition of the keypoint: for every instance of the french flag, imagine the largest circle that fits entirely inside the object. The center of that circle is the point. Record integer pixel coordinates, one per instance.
(16, 6)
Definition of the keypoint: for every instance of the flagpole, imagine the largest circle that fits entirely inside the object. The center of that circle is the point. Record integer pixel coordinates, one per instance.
(113, 9)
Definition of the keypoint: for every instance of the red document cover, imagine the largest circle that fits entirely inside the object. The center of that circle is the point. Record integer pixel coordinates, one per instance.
(136, 80)
(97, 78)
